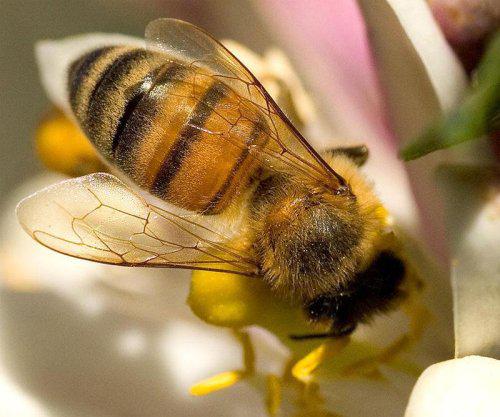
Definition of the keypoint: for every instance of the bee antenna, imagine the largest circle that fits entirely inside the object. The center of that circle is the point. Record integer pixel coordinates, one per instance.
(345, 331)
(314, 336)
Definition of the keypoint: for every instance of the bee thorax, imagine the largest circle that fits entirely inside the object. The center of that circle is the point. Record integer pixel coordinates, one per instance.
(308, 241)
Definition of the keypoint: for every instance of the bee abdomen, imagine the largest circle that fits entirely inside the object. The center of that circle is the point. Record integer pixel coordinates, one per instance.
(101, 85)
(177, 133)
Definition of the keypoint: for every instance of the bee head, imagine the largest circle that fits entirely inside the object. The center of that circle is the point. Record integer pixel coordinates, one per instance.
(374, 290)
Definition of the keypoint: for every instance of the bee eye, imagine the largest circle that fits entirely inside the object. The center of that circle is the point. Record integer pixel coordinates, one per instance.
(321, 307)
(335, 308)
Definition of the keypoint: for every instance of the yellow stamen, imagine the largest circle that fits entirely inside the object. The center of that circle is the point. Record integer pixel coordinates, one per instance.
(273, 399)
(304, 368)
(62, 146)
(248, 351)
(216, 383)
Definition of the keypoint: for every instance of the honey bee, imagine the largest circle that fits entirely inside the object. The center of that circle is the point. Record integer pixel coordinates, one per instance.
(215, 177)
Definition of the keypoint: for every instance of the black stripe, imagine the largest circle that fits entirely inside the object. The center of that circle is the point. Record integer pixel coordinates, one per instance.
(165, 74)
(114, 72)
(254, 135)
(189, 135)
(80, 69)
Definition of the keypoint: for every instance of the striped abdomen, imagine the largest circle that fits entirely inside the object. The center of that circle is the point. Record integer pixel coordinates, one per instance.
(180, 134)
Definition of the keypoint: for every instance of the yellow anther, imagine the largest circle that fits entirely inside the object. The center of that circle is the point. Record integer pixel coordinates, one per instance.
(304, 368)
(216, 383)
(62, 146)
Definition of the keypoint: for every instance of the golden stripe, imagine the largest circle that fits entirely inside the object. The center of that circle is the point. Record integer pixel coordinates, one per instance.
(174, 110)
(88, 83)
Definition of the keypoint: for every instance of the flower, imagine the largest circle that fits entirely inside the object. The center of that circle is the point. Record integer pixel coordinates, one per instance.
(458, 387)
(369, 96)
(62, 147)
(236, 302)
(419, 81)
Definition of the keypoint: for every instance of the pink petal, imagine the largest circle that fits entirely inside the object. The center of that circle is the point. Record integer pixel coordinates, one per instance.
(328, 40)
(384, 72)
(422, 79)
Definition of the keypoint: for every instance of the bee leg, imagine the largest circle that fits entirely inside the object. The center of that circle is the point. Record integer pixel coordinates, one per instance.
(311, 402)
(369, 366)
(229, 378)
(418, 314)
(418, 318)
(358, 154)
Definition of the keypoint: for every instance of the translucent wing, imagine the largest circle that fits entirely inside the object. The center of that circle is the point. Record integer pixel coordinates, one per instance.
(286, 148)
(99, 218)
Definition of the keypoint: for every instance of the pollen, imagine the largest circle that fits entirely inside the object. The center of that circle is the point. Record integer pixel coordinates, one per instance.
(304, 368)
(235, 301)
(62, 147)
(216, 383)
(383, 214)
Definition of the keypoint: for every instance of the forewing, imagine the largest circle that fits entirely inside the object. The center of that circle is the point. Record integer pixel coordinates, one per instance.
(97, 217)
(286, 149)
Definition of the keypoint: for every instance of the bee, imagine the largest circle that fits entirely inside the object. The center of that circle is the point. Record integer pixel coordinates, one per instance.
(215, 177)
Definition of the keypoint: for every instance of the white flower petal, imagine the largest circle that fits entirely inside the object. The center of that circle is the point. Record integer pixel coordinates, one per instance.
(419, 72)
(55, 56)
(17, 403)
(422, 78)
(472, 198)
(467, 387)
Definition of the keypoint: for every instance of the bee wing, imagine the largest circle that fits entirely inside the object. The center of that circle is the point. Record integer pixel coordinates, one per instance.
(97, 217)
(287, 149)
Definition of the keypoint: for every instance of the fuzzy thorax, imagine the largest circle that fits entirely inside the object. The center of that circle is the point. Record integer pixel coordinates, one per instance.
(310, 241)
